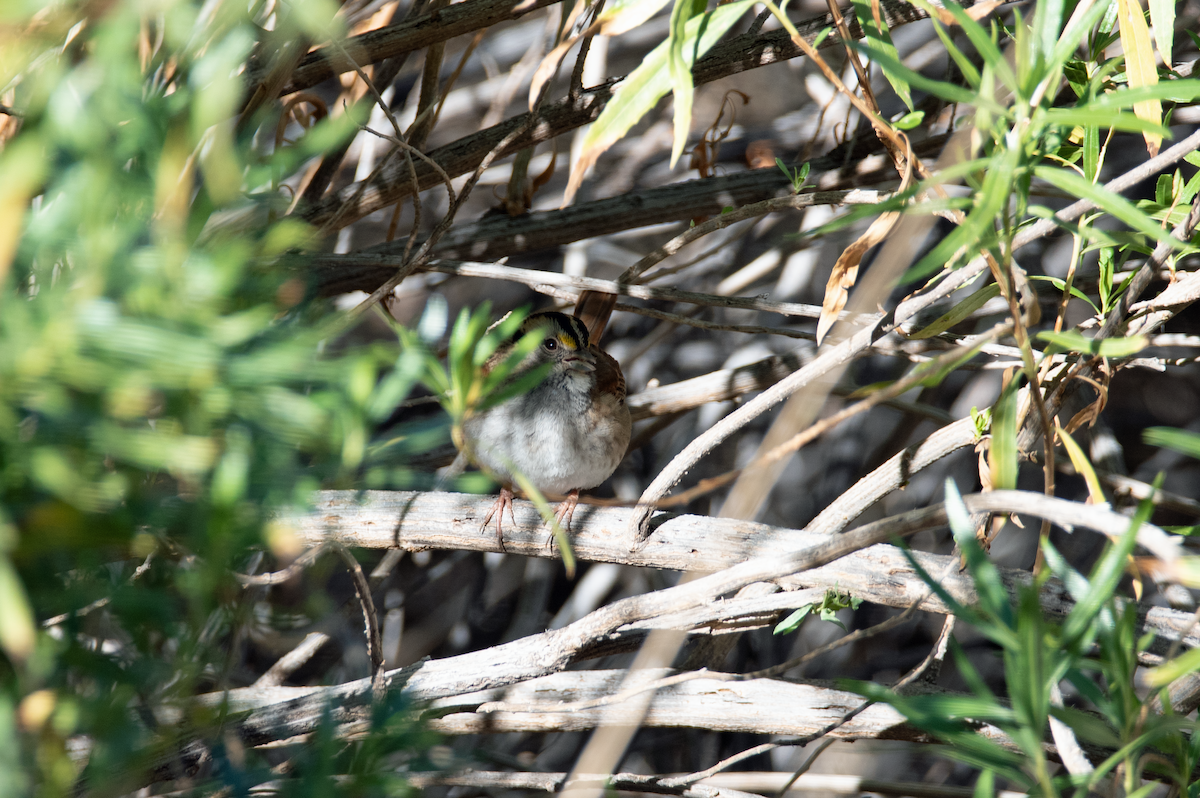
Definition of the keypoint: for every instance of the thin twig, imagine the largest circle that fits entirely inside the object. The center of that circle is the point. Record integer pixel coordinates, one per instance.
(370, 616)
(279, 577)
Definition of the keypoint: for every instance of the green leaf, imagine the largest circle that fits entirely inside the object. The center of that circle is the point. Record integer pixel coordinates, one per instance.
(622, 16)
(1091, 116)
(680, 71)
(959, 312)
(399, 382)
(1178, 91)
(1075, 583)
(910, 120)
(982, 41)
(1003, 451)
(793, 621)
(1162, 189)
(947, 717)
(649, 82)
(523, 384)
(969, 72)
(1106, 347)
(1177, 440)
(1062, 284)
(1091, 153)
(1110, 202)
(938, 371)
(1106, 574)
(978, 229)
(1185, 663)
(1070, 39)
(547, 512)
(879, 39)
(993, 597)
(947, 91)
(985, 785)
(1046, 23)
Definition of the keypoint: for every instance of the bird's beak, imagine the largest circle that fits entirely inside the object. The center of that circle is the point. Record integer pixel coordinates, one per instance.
(581, 361)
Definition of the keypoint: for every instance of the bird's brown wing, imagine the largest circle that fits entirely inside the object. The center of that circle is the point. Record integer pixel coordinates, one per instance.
(608, 374)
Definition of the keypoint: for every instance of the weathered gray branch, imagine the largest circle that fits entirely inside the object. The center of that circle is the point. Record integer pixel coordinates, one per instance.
(759, 553)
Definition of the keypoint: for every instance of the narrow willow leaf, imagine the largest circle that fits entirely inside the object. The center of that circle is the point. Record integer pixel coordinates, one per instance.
(1101, 117)
(681, 73)
(1002, 453)
(979, 226)
(993, 598)
(793, 621)
(1077, 584)
(1139, 64)
(1047, 21)
(879, 39)
(1162, 17)
(1061, 284)
(1110, 202)
(23, 165)
(547, 513)
(1064, 50)
(1107, 573)
(970, 73)
(1105, 347)
(982, 40)
(1091, 153)
(947, 91)
(646, 85)
(1182, 91)
(1179, 440)
(945, 369)
(959, 312)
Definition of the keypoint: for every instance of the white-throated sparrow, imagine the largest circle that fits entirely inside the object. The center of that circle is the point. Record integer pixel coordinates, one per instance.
(570, 432)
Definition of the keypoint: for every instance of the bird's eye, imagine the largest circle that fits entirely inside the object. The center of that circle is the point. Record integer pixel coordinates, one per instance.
(550, 344)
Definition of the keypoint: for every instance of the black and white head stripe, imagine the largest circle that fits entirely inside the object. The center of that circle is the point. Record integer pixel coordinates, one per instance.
(569, 330)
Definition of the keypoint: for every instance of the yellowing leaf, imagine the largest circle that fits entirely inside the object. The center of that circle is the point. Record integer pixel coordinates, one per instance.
(1082, 465)
(1139, 65)
(18, 631)
(625, 15)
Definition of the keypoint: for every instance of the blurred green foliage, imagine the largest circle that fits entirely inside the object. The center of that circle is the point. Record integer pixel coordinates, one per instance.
(162, 387)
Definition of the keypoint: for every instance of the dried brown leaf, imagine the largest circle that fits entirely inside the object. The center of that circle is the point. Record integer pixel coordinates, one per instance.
(845, 271)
